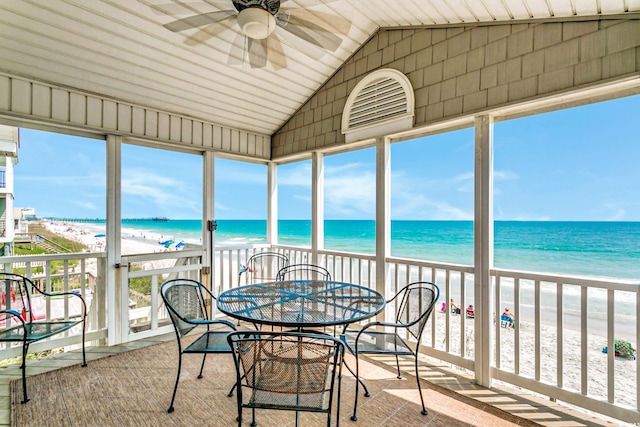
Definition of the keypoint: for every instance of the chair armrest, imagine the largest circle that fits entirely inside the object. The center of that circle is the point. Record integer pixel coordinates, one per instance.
(384, 324)
(389, 324)
(209, 322)
(12, 314)
(73, 294)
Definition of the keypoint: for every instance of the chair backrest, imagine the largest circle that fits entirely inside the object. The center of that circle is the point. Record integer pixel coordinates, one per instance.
(185, 299)
(264, 266)
(16, 294)
(292, 370)
(303, 272)
(416, 302)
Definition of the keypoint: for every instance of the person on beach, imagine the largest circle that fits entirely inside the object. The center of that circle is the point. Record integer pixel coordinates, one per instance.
(507, 313)
(471, 313)
(453, 307)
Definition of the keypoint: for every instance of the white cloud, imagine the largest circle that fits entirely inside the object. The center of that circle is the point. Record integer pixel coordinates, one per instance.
(296, 176)
(505, 175)
(241, 173)
(420, 207)
(89, 180)
(83, 204)
(168, 193)
(617, 213)
(463, 177)
(350, 191)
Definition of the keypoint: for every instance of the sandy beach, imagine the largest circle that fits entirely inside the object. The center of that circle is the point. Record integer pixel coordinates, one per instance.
(86, 234)
(625, 370)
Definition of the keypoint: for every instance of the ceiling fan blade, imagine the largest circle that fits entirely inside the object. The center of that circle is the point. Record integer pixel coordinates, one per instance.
(184, 8)
(257, 51)
(337, 23)
(237, 51)
(200, 20)
(276, 53)
(312, 33)
(204, 34)
(311, 50)
(309, 3)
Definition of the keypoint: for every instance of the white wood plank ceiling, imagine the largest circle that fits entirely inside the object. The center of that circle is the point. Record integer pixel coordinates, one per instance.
(120, 48)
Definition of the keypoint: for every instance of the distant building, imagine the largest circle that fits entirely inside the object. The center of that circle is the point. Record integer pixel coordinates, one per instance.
(9, 144)
(27, 214)
(21, 218)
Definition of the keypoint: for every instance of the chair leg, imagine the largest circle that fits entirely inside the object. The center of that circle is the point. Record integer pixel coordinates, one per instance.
(254, 423)
(366, 390)
(204, 357)
(25, 348)
(175, 388)
(354, 417)
(337, 402)
(230, 394)
(399, 376)
(424, 409)
(84, 356)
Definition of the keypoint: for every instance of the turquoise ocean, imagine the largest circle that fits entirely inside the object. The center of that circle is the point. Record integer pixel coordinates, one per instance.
(602, 249)
(595, 249)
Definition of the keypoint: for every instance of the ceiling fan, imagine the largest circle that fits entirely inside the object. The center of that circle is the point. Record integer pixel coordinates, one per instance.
(263, 26)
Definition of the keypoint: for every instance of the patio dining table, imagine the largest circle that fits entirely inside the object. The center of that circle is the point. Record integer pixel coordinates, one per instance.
(301, 303)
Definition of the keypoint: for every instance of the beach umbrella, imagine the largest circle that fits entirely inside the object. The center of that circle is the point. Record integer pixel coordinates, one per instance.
(100, 235)
(180, 245)
(166, 242)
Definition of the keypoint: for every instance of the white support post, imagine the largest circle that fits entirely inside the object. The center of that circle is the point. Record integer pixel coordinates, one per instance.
(317, 205)
(117, 314)
(483, 247)
(208, 214)
(272, 203)
(383, 216)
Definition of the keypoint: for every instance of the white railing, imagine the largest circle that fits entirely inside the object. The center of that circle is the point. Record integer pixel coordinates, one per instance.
(80, 271)
(556, 346)
(142, 276)
(562, 322)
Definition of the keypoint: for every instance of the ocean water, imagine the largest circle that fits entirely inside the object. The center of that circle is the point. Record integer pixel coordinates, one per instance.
(602, 249)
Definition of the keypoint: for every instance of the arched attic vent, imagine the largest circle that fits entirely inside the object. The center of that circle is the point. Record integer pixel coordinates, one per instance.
(381, 104)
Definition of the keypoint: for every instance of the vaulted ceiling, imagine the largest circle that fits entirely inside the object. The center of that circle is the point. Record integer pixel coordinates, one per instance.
(137, 51)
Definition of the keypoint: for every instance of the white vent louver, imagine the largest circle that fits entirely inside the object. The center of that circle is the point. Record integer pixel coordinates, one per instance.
(377, 102)
(380, 104)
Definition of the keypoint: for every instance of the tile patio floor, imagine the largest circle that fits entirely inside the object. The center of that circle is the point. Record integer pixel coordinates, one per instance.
(393, 402)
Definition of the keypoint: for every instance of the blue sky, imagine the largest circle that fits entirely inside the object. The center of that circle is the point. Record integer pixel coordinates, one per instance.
(577, 164)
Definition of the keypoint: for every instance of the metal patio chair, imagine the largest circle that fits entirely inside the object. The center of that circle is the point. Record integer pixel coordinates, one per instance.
(19, 323)
(289, 371)
(414, 304)
(186, 302)
(303, 272)
(262, 267)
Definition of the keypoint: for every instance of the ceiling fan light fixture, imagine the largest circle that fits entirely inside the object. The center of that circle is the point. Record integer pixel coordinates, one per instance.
(256, 22)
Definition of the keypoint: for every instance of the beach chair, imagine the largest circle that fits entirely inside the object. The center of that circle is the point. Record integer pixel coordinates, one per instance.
(470, 312)
(506, 321)
(623, 349)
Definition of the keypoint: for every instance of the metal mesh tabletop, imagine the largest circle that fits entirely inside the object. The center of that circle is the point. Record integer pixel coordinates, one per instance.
(301, 303)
